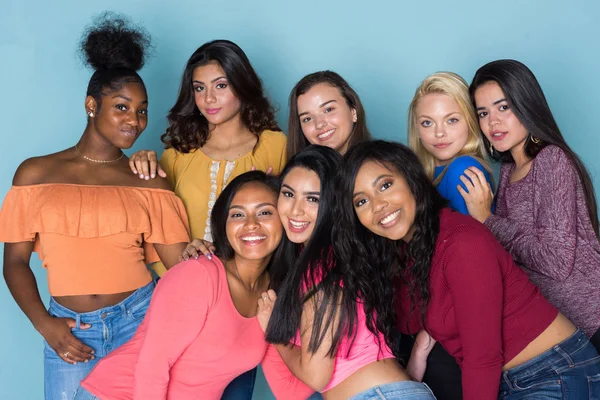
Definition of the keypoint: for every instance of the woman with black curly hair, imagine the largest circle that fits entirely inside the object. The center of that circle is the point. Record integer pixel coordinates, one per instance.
(456, 281)
(93, 224)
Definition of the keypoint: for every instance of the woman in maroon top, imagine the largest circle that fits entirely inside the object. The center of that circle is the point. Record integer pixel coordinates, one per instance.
(455, 280)
(546, 214)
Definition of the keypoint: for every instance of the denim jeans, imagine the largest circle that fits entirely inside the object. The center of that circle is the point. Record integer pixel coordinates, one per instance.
(569, 370)
(240, 388)
(407, 390)
(110, 328)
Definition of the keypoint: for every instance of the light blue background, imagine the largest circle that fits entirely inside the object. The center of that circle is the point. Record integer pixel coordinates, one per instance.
(383, 48)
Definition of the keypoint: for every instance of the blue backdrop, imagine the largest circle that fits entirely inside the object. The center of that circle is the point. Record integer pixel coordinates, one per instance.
(383, 48)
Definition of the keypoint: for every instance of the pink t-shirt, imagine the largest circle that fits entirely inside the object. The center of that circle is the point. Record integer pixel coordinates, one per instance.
(192, 343)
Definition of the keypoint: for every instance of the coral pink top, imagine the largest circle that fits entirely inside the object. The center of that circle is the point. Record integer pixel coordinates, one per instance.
(192, 343)
(93, 239)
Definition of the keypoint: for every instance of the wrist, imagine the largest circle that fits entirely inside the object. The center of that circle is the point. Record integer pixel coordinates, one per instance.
(41, 323)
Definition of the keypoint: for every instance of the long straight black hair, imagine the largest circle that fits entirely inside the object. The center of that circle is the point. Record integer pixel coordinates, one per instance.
(298, 274)
(526, 98)
(376, 260)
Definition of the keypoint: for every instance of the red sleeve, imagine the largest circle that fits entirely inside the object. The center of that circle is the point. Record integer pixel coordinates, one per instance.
(474, 276)
(177, 314)
(282, 382)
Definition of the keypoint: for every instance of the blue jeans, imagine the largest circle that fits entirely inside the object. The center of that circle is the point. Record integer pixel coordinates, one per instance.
(569, 370)
(241, 388)
(111, 327)
(396, 390)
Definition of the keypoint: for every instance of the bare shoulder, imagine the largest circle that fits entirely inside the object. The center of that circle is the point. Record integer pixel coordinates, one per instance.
(35, 170)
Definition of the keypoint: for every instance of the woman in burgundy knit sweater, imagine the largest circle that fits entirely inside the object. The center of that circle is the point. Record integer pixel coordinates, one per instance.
(546, 214)
(455, 280)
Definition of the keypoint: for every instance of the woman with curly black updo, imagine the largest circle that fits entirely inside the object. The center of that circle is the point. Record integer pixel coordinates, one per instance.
(93, 224)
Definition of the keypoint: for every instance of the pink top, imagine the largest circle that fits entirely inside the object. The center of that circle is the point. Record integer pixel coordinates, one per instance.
(192, 343)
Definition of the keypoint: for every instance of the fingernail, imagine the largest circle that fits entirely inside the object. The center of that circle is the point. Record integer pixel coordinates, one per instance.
(92, 353)
(147, 177)
(185, 258)
(86, 360)
(196, 257)
(135, 171)
(153, 175)
(142, 176)
(209, 256)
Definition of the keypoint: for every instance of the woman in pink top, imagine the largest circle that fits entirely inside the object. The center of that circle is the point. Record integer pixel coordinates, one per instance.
(336, 350)
(201, 329)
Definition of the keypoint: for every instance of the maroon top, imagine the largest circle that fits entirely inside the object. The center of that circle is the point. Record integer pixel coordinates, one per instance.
(543, 222)
(483, 309)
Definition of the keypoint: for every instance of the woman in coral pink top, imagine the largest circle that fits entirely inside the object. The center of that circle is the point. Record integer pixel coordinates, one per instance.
(93, 225)
(322, 323)
(456, 281)
(201, 329)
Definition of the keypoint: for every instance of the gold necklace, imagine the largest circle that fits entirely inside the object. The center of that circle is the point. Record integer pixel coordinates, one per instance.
(98, 161)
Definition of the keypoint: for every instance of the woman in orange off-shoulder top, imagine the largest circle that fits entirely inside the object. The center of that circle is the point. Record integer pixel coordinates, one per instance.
(93, 224)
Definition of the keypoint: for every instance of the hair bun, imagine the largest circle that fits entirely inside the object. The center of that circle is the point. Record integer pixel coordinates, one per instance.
(112, 41)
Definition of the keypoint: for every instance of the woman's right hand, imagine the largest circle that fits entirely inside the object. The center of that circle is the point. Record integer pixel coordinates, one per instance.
(57, 332)
(198, 246)
(145, 164)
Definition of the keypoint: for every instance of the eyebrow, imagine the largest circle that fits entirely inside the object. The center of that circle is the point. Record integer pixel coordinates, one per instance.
(380, 177)
(127, 98)
(445, 116)
(213, 81)
(494, 103)
(320, 106)
(257, 206)
(306, 193)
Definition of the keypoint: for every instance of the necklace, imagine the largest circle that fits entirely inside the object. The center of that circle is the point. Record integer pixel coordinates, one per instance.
(98, 161)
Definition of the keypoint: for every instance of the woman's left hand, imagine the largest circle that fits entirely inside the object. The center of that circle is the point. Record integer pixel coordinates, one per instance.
(265, 308)
(479, 196)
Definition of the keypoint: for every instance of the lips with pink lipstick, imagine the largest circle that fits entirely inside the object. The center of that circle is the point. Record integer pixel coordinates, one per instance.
(212, 111)
(497, 135)
(441, 145)
(297, 226)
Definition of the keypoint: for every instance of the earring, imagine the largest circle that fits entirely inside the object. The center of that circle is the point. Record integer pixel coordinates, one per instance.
(534, 139)
(491, 150)
(90, 114)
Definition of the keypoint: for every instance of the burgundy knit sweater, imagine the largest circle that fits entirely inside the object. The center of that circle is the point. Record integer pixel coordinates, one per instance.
(543, 222)
(482, 309)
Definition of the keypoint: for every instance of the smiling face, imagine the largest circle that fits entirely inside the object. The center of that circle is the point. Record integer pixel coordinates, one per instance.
(298, 203)
(496, 119)
(213, 94)
(253, 227)
(443, 129)
(384, 202)
(325, 117)
(122, 115)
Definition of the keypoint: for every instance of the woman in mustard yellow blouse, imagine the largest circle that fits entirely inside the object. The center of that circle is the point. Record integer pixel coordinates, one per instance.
(221, 126)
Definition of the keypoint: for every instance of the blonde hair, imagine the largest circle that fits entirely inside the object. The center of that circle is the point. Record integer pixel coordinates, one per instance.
(452, 85)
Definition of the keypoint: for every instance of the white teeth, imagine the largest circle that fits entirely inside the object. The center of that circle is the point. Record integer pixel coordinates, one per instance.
(298, 225)
(389, 218)
(497, 134)
(253, 238)
(325, 135)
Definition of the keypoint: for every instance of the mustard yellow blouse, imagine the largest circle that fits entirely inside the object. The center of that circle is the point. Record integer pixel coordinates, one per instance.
(198, 180)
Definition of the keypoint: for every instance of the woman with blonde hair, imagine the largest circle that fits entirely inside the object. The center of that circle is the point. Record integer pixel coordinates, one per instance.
(444, 133)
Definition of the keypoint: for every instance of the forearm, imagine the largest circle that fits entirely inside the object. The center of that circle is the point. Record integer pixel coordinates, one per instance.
(169, 254)
(292, 357)
(23, 286)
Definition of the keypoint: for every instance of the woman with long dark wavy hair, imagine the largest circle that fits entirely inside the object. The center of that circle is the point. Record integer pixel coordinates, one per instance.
(455, 280)
(221, 126)
(546, 215)
(325, 110)
(320, 320)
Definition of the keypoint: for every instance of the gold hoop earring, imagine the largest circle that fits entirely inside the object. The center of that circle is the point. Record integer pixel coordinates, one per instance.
(491, 149)
(534, 139)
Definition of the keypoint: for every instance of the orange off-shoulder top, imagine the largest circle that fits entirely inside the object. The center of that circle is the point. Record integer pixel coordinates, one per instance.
(93, 239)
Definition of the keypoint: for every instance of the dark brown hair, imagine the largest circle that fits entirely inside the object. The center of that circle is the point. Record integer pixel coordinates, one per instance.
(188, 128)
(296, 139)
